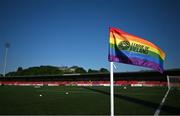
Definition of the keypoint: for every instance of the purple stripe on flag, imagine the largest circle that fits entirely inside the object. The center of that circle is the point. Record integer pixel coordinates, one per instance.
(136, 61)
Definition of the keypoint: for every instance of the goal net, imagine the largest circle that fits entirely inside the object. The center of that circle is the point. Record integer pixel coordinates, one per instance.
(174, 81)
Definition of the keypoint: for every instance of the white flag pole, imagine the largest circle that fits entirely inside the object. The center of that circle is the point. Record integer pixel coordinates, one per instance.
(112, 88)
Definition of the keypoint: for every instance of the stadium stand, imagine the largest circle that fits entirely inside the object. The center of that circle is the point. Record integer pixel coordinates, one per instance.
(149, 78)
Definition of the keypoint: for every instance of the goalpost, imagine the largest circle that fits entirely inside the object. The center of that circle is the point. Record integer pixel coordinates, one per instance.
(173, 83)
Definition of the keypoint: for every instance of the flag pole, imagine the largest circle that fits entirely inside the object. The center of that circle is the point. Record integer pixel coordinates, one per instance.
(112, 88)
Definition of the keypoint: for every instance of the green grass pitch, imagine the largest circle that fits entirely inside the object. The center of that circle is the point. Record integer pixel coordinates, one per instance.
(86, 100)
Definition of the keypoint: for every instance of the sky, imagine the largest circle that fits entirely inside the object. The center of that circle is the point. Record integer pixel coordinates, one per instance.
(76, 32)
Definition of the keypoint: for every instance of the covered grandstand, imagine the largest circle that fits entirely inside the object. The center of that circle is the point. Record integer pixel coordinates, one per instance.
(148, 78)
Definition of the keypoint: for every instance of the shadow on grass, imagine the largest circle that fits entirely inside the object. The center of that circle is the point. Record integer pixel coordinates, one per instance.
(166, 108)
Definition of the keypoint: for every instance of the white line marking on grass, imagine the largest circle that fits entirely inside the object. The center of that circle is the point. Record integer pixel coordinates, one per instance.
(158, 110)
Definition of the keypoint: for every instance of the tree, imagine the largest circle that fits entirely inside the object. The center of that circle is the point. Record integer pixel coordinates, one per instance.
(103, 70)
(90, 70)
(80, 70)
(19, 69)
(93, 71)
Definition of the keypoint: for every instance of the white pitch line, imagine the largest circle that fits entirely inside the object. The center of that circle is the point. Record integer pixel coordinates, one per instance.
(158, 110)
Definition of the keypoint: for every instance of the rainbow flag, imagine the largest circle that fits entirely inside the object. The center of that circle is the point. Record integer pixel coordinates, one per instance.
(130, 49)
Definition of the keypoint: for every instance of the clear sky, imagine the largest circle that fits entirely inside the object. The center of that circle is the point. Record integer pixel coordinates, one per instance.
(75, 32)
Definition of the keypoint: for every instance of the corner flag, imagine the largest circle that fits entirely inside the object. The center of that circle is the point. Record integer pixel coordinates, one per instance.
(130, 49)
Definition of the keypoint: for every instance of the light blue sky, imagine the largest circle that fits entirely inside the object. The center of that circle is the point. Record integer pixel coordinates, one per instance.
(75, 32)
